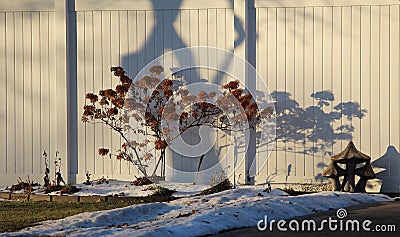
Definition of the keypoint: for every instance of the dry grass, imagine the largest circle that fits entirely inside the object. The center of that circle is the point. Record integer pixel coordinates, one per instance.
(18, 215)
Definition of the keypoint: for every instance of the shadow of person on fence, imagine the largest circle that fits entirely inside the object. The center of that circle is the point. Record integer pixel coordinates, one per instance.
(157, 43)
(175, 42)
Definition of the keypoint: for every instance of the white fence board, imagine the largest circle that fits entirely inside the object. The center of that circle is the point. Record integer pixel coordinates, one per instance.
(374, 93)
(55, 117)
(98, 85)
(394, 61)
(25, 52)
(27, 92)
(355, 68)
(365, 77)
(384, 81)
(308, 84)
(80, 34)
(19, 94)
(91, 149)
(298, 94)
(38, 161)
(270, 61)
(45, 85)
(327, 35)
(318, 87)
(107, 83)
(3, 94)
(337, 76)
(11, 116)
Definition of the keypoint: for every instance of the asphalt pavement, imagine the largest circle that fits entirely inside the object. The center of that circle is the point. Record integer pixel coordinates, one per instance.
(383, 216)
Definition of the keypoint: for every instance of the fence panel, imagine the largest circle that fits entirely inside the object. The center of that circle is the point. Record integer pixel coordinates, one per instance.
(28, 115)
(332, 67)
(344, 52)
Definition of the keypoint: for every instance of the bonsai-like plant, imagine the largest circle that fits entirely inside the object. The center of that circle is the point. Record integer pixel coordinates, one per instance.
(149, 103)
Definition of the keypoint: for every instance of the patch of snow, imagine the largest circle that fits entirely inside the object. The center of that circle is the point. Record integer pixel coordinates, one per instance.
(198, 215)
(6, 200)
(125, 188)
(6, 189)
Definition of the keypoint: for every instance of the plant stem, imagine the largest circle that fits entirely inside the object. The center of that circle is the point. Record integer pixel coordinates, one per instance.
(139, 163)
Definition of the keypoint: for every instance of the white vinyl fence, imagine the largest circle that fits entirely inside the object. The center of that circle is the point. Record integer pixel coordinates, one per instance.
(331, 66)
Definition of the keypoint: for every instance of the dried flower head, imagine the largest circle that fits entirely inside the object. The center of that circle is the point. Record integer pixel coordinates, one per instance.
(166, 84)
(120, 156)
(148, 82)
(89, 110)
(103, 151)
(161, 110)
(232, 85)
(245, 100)
(156, 70)
(112, 111)
(160, 144)
(184, 116)
(188, 99)
(125, 80)
(110, 94)
(104, 101)
(202, 96)
(168, 94)
(183, 92)
(121, 89)
(118, 71)
(237, 93)
(118, 102)
(92, 97)
(212, 94)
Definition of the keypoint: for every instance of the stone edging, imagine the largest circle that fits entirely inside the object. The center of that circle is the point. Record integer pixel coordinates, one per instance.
(54, 198)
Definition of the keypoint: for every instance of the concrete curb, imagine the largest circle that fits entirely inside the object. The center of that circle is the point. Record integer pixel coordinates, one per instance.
(19, 197)
(38, 198)
(5, 196)
(92, 198)
(84, 199)
(64, 198)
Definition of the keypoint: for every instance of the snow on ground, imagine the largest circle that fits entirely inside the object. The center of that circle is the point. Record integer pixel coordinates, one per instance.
(127, 189)
(6, 200)
(199, 215)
